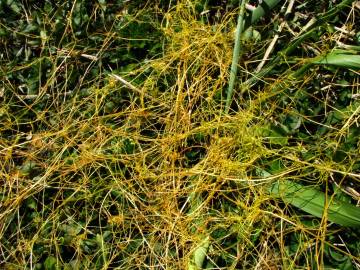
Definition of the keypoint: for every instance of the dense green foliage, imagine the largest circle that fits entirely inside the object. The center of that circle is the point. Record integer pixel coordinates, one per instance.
(117, 152)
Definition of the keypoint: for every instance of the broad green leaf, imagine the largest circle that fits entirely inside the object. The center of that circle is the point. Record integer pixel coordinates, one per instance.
(199, 254)
(50, 263)
(315, 202)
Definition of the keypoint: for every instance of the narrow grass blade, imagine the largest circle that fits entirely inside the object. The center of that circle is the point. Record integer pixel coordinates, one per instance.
(340, 60)
(315, 202)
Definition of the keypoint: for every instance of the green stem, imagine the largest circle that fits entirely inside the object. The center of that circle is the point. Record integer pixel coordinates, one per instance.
(236, 55)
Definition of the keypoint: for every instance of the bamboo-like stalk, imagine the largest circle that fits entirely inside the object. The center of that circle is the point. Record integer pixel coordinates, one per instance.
(236, 55)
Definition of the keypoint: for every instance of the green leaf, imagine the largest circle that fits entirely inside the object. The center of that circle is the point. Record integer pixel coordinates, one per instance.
(357, 38)
(199, 254)
(28, 167)
(315, 202)
(102, 4)
(340, 59)
(346, 265)
(50, 263)
(14, 6)
(274, 135)
(263, 9)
